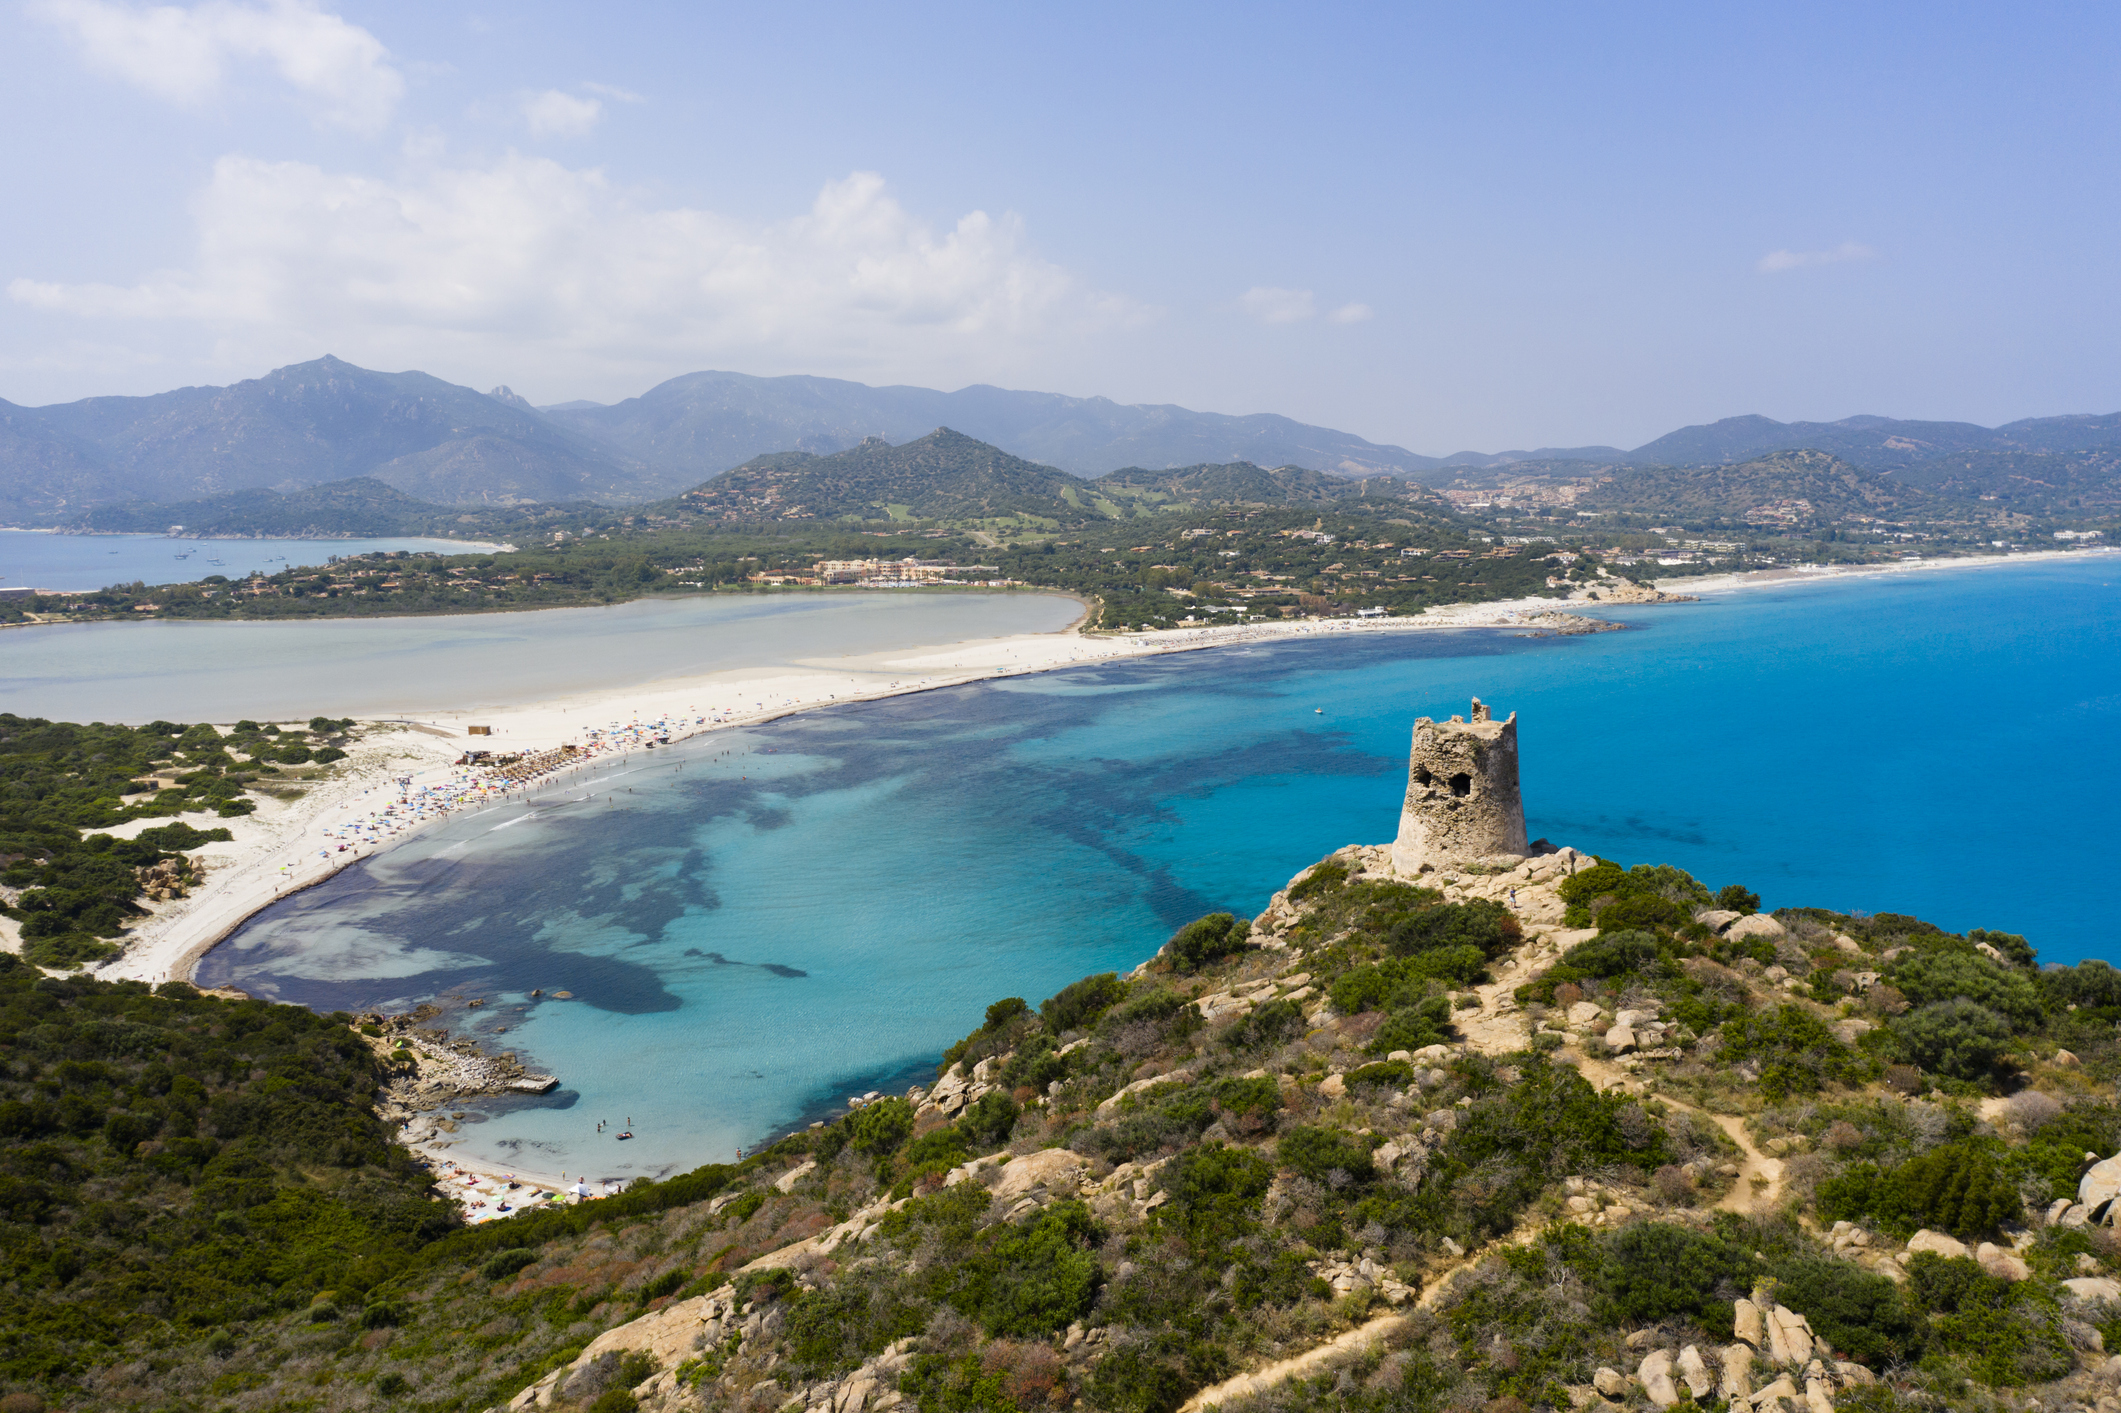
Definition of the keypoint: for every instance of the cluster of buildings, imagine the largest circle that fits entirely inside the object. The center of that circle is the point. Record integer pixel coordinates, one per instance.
(889, 574)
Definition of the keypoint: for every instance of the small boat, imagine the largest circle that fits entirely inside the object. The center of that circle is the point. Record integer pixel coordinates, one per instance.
(626, 1135)
(1318, 711)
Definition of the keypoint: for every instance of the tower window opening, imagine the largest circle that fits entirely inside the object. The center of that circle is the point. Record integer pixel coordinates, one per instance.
(1461, 785)
(1421, 775)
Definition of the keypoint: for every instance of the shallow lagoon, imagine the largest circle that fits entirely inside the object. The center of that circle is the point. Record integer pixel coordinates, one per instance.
(389, 667)
(752, 935)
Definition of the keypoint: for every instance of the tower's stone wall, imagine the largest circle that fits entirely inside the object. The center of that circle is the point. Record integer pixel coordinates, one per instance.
(1462, 800)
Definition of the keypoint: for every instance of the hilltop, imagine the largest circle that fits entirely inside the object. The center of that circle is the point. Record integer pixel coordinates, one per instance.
(948, 476)
(1544, 1132)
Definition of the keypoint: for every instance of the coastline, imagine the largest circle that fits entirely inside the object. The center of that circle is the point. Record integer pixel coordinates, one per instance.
(246, 875)
(1826, 573)
(290, 845)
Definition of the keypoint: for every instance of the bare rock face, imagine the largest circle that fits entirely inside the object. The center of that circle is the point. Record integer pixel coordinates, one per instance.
(2097, 1189)
(1738, 1368)
(1757, 925)
(1747, 1323)
(1610, 1382)
(1938, 1243)
(1656, 1376)
(1052, 1167)
(1462, 803)
(1695, 1370)
(1620, 1039)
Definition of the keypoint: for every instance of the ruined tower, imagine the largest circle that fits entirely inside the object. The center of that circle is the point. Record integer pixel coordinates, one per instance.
(1462, 801)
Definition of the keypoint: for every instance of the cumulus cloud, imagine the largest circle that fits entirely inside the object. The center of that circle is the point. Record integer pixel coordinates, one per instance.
(1353, 314)
(533, 265)
(556, 114)
(1277, 306)
(1775, 262)
(184, 54)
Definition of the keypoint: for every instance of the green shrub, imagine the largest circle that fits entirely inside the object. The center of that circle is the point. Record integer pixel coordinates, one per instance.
(1005, 1010)
(1323, 878)
(1269, 1023)
(1734, 898)
(1858, 1313)
(1937, 976)
(1082, 1002)
(1946, 1285)
(878, 1129)
(989, 1121)
(1796, 1052)
(1490, 927)
(1215, 1194)
(2091, 985)
(1392, 1074)
(1956, 1187)
(1615, 953)
(1654, 1271)
(1581, 891)
(668, 1283)
(506, 1263)
(1154, 1376)
(1958, 1038)
(1033, 1281)
(1317, 1153)
(1207, 939)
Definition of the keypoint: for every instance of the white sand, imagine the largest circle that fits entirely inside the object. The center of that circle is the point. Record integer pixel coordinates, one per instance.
(1822, 573)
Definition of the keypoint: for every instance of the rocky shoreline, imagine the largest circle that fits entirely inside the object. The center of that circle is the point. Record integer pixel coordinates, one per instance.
(431, 1069)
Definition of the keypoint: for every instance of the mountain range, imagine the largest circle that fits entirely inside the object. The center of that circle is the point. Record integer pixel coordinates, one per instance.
(309, 424)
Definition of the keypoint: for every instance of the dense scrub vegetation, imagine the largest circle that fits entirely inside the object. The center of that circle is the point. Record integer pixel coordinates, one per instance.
(173, 1166)
(71, 888)
(1280, 1131)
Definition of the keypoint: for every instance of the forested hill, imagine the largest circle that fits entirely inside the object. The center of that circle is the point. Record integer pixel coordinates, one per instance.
(942, 476)
(949, 476)
(1796, 488)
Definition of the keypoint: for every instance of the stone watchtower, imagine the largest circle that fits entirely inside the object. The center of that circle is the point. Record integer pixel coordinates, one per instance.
(1462, 800)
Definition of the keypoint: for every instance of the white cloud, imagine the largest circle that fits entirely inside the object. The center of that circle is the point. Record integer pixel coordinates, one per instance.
(533, 266)
(1277, 306)
(1353, 314)
(556, 114)
(1776, 262)
(183, 54)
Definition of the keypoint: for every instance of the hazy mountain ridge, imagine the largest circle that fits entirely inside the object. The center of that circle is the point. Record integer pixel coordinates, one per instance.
(328, 421)
(301, 426)
(710, 421)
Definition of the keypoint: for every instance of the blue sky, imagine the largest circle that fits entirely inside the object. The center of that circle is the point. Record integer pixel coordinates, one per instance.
(1441, 226)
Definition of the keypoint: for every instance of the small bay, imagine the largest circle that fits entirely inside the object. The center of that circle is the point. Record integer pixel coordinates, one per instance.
(758, 922)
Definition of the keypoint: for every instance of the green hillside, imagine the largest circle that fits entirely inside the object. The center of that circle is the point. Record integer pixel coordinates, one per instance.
(1536, 1137)
(1793, 488)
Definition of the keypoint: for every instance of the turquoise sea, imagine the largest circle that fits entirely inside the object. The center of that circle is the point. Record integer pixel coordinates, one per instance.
(762, 922)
